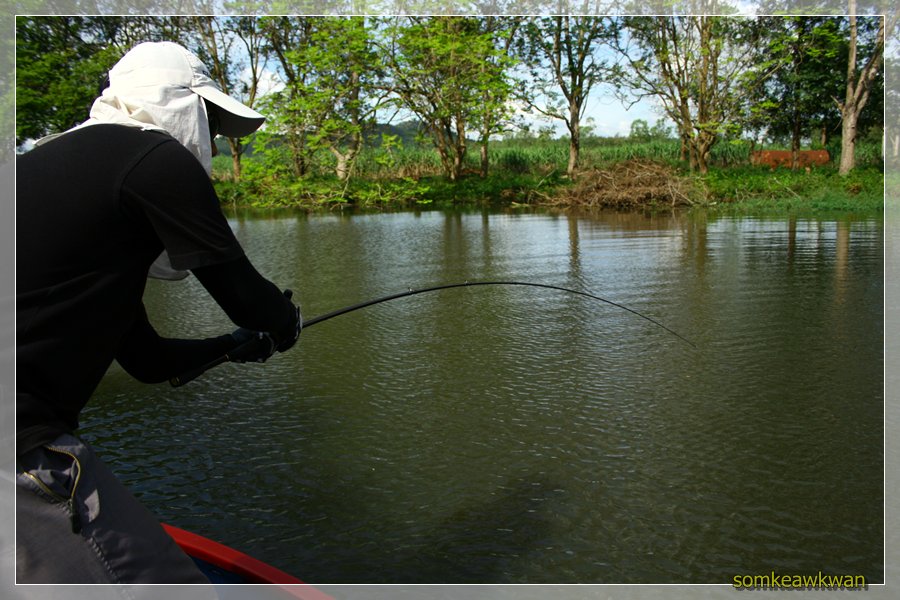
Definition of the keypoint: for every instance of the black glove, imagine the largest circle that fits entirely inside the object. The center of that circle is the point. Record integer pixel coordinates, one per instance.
(287, 337)
(252, 346)
(258, 346)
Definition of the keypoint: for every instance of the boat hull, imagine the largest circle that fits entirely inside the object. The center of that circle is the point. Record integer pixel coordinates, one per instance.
(222, 564)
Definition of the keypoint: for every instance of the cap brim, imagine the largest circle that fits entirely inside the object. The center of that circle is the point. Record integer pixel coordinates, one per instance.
(235, 120)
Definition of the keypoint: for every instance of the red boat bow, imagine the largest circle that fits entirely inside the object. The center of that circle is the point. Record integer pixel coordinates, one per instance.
(244, 566)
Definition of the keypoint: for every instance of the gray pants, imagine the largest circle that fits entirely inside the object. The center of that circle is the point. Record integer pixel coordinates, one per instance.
(76, 523)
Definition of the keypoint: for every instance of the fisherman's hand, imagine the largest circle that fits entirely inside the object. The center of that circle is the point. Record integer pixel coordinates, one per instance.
(287, 337)
(252, 346)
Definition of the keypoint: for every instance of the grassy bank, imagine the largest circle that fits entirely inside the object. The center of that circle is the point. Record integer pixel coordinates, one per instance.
(748, 189)
(616, 173)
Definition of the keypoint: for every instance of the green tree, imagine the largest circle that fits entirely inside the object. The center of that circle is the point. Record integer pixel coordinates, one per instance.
(563, 57)
(892, 115)
(862, 70)
(290, 117)
(61, 65)
(347, 69)
(329, 98)
(640, 130)
(700, 68)
(234, 51)
(796, 102)
(493, 115)
(661, 130)
(442, 69)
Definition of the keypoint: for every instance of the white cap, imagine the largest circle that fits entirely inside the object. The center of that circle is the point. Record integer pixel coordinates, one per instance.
(168, 64)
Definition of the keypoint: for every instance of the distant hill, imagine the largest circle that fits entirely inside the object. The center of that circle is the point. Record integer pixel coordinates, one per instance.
(407, 130)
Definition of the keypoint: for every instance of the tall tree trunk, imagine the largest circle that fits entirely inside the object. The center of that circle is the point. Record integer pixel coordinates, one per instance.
(236, 167)
(450, 143)
(237, 148)
(686, 125)
(704, 30)
(859, 84)
(344, 161)
(693, 153)
(298, 160)
(795, 143)
(460, 147)
(457, 167)
(446, 163)
(848, 142)
(700, 155)
(443, 146)
(574, 139)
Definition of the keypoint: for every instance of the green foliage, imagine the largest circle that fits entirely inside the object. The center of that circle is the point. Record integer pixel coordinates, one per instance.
(561, 53)
(60, 70)
(513, 160)
(396, 176)
(385, 156)
(760, 189)
(794, 102)
(401, 192)
(640, 130)
(454, 74)
(328, 101)
(702, 68)
(396, 159)
(448, 71)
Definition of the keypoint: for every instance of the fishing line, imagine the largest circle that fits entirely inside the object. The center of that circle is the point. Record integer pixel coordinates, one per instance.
(193, 374)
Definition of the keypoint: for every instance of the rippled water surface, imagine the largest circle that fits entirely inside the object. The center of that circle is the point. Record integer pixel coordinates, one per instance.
(520, 435)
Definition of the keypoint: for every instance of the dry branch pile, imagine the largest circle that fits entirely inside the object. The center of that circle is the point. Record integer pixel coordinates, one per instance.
(629, 184)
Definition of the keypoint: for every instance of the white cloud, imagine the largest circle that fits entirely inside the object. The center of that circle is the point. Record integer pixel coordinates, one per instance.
(269, 82)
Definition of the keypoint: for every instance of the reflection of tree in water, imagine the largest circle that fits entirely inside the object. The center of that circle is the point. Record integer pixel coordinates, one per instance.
(841, 261)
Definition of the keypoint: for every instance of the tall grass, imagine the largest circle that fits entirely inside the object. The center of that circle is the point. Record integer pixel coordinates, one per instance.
(539, 157)
(528, 170)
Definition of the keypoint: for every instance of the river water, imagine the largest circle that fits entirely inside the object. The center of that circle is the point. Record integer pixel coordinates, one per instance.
(522, 435)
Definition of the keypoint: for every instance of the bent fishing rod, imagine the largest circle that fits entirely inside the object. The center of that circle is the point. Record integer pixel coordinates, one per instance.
(184, 378)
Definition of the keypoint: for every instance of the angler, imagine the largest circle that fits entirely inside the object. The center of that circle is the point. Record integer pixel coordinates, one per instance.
(123, 195)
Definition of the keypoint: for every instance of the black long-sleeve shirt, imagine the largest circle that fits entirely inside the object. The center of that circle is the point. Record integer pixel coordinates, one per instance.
(94, 208)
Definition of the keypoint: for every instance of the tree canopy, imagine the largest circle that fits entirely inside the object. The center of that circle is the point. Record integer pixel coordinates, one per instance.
(791, 79)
